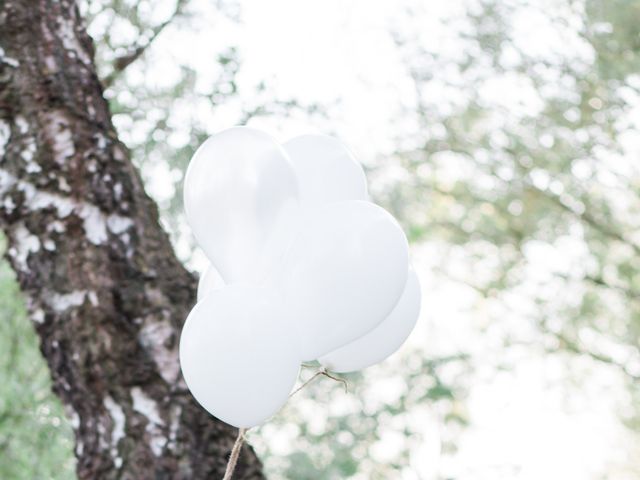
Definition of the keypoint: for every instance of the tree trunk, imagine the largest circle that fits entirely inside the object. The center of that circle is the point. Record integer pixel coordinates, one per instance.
(105, 292)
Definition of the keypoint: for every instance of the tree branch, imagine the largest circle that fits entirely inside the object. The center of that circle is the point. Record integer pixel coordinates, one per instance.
(572, 346)
(121, 63)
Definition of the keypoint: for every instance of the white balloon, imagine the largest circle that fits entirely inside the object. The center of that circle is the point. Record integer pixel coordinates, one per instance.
(241, 201)
(343, 275)
(210, 280)
(326, 170)
(236, 355)
(383, 340)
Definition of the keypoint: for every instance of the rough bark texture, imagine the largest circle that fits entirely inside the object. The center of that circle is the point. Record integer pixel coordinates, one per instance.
(104, 289)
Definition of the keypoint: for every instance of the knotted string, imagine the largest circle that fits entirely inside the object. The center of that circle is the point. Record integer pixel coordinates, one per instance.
(237, 446)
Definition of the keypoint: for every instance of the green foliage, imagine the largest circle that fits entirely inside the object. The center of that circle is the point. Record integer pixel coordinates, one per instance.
(553, 169)
(36, 441)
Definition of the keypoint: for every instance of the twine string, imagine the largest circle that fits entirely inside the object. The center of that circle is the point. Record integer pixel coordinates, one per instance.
(237, 446)
(311, 379)
(235, 454)
(324, 373)
(337, 379)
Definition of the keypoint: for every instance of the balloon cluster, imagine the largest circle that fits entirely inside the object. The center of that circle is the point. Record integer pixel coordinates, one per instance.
(306, 268)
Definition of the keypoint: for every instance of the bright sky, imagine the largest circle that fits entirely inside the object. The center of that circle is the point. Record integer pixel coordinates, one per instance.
(341, 53)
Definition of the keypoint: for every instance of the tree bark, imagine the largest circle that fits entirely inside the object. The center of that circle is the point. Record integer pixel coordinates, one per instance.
(103, 287)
